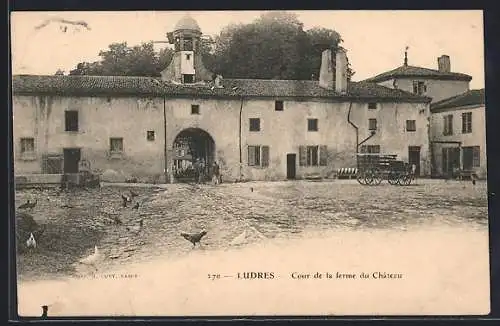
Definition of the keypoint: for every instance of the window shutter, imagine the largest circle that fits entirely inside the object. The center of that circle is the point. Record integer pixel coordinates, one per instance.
(251, 155)
(323, 155)
(265, 156)
(302, 156)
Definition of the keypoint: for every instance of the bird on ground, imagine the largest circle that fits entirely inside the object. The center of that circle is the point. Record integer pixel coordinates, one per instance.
(125, 200)
(251, 189)
(92, 260)
(194, 238)
(25, 205)
(45, 310)
(31, 242)
(28, 205)
(136, 206)
(133, 194)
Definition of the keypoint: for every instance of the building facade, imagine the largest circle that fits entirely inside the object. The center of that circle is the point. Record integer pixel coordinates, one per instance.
(458, 133)
(153, 129)
(437, 84)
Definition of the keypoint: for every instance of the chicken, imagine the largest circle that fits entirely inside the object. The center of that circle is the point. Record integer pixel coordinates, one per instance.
(28, 205)
(136, 206)
(125, 200)
(133, 194)
(31, 242)
(93, 259)
(194, 238)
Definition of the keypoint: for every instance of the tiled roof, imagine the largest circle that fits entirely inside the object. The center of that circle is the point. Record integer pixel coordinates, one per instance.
(472, 97)
(147, 86)
(412, 71)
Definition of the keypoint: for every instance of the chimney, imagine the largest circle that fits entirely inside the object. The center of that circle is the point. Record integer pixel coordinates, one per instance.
(444, 63)
(341, 71)
(326, 74)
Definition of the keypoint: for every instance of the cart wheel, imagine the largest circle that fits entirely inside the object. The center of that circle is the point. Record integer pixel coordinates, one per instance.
(407, 179)
(376, 177)
(392, 178)
(361, 178)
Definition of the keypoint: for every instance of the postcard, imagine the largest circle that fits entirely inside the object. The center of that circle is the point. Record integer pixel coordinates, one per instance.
(245, 163)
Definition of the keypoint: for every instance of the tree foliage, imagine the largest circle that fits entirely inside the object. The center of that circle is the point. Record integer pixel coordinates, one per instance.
(274, 46)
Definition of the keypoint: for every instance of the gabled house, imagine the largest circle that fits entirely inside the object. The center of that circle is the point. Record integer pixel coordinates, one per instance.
(437, 84)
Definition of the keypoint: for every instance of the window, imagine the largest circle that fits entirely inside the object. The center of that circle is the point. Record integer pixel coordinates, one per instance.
(27, 145)
(466, 122)
(370, 149)
(419, 88)
(195, 109)
(188, 79)
(278, 106)
(372, 106)
(254, 124)
(71, 120)
(116, 145)
(372, 124)
(313, 155)
(411, 125)
(150, 135)
(312, 124)
(471, 157)
(258, 156)
(448, 125)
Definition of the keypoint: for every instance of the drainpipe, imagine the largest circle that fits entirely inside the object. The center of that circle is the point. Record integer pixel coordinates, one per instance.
(165, 140)
(241, 153)
(355, 127)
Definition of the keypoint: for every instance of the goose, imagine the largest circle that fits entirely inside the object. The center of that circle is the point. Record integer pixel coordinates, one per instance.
(31, 242)
(93, 259)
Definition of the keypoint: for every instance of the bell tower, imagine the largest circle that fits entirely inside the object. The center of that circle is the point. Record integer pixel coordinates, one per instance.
(186, 66)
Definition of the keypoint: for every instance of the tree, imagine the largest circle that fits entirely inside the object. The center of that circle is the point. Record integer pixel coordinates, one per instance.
(121, 60)
(274, 46)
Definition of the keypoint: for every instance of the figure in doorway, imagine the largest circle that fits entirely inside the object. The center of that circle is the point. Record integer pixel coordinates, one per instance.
(201, 170)
(216, 173)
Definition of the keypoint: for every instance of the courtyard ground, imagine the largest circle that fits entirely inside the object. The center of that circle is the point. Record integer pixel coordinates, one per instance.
(428, 223)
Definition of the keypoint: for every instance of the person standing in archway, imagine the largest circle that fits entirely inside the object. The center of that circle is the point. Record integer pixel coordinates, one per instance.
(215, 173)
(201, 170)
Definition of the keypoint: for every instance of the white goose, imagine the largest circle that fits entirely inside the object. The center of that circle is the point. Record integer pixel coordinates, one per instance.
(93, 259)
(31, 242)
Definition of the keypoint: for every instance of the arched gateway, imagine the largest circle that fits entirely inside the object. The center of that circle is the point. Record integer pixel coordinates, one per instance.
(189, 145)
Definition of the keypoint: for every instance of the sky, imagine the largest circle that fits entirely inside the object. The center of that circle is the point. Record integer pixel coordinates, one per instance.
(375, 40)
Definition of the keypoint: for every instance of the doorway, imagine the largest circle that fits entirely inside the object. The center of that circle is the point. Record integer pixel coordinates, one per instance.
(291, 161)
(451, 160)
(414, 157)
(71, 157)
(192, 145)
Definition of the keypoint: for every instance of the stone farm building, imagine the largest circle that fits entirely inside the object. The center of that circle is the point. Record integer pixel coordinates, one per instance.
(458, 134)
(152, 128)
(457, 123)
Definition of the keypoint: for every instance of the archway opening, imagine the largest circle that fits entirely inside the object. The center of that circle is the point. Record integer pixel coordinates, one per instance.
(190, 146)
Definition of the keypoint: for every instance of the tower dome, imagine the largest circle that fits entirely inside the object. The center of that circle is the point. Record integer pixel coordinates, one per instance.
(187, 23)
